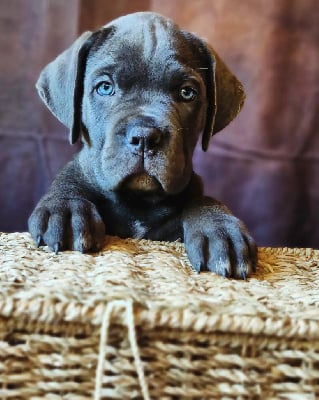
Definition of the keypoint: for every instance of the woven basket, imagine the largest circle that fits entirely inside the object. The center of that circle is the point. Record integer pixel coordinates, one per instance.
(134, 321)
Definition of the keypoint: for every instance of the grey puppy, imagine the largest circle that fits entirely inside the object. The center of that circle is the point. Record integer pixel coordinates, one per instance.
(139, 93)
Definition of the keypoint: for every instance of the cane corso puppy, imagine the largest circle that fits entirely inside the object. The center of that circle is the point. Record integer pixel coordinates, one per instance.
(139, 93)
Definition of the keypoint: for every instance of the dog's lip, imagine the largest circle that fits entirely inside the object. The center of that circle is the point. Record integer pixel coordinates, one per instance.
(142, 182)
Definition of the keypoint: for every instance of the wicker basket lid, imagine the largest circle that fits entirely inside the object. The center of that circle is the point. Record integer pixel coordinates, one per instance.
(281, 299)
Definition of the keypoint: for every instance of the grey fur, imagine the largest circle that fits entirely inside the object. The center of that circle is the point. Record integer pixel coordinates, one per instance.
(139, 93)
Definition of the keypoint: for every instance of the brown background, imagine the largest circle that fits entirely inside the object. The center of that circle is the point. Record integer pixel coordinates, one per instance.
(264, 166)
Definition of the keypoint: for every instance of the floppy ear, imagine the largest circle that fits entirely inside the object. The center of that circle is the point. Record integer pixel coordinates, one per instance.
(225, 95)
(61, 82)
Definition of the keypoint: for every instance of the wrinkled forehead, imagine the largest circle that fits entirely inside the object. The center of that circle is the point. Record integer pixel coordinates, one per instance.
(145, 40)
(145, 32)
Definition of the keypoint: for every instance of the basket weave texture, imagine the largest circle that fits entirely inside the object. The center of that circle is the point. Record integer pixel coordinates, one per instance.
(134, 321)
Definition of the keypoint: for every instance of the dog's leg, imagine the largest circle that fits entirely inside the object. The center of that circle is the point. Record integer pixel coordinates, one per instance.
(66, 217)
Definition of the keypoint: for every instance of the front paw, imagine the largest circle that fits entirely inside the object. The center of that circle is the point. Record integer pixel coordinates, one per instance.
(67, 224)
(219, 242)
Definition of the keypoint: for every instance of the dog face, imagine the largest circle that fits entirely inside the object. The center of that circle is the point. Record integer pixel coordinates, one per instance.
(141, 91)
(143, 109)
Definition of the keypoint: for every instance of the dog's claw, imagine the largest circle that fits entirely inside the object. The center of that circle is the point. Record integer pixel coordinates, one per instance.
(198, 267)
(223, 273)
(56, 248)
(38, 241)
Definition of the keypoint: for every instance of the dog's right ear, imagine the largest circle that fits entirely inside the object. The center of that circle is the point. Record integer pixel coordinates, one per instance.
(61, 83)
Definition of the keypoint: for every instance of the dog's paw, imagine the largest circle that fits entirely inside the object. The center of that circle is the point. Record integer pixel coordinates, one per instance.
(219, 242)
(67, 224)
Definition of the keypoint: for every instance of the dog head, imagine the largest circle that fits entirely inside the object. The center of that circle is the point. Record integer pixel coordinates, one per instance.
(140, 92)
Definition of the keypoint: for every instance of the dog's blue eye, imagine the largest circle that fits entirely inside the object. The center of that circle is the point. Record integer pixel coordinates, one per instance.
(187, 93)
(105, 89)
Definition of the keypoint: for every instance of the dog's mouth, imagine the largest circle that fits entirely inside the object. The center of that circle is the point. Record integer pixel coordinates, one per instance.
(142, 182)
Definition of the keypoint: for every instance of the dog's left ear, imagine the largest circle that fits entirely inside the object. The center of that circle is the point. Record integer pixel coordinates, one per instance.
(226, 98)
(225, 93)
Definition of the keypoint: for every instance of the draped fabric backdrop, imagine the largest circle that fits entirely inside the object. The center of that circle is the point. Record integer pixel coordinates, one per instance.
(264, 166)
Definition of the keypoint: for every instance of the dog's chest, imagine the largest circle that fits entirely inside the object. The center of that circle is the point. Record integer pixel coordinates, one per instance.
(140, 220)
(139, 230)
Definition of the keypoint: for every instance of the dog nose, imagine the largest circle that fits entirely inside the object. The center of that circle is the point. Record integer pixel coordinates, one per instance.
(143, 139)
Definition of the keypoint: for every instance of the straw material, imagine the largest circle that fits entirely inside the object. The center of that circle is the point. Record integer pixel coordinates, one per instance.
(134, 321)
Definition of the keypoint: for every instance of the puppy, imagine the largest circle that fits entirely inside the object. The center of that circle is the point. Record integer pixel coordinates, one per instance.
(139, 93)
